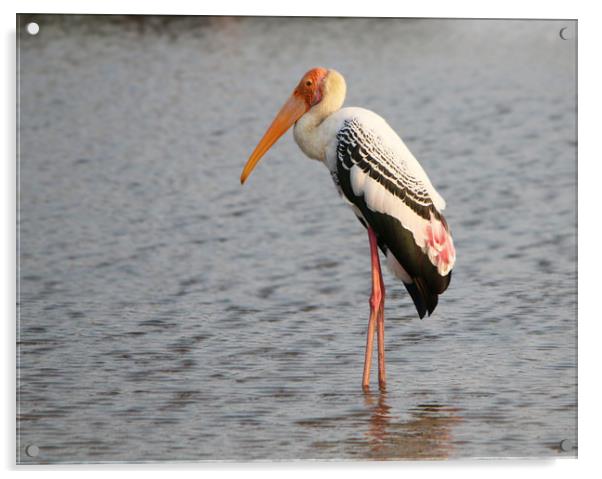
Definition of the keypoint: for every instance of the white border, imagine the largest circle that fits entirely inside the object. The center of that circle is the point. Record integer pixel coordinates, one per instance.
(590, 159)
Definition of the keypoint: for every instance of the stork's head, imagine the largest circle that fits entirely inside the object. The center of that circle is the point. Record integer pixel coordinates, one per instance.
(320, 90)
(310, 88)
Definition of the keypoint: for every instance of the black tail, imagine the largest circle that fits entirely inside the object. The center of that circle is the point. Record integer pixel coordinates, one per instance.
(424, 298)
(417, 298)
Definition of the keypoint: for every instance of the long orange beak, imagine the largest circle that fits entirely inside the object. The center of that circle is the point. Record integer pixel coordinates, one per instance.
(292, 110)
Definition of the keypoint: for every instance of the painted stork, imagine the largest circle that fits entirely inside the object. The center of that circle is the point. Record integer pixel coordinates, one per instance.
(387, 189)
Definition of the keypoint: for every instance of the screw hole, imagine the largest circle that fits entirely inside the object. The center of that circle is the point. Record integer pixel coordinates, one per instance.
(33, 28)
(32, 450)
(566, 445)
(566, 33)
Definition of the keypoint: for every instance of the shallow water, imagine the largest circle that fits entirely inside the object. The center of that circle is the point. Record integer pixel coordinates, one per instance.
(167, 313)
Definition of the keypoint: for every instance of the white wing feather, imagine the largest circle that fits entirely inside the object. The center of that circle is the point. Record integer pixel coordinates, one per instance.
(380, 141)
(403, 157)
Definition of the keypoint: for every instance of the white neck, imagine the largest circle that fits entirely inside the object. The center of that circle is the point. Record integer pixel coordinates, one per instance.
(308, 134)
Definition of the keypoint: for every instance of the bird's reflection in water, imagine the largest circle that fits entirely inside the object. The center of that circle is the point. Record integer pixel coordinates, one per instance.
(427, 435)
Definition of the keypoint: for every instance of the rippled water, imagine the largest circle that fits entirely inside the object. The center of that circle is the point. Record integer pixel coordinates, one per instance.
(167, 313)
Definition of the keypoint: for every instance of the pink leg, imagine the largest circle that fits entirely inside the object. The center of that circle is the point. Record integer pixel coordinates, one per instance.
(380, 325)
(377, 301)
(382, 377)
(368, 356)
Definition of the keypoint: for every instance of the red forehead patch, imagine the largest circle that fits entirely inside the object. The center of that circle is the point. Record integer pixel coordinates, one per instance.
(316, 74)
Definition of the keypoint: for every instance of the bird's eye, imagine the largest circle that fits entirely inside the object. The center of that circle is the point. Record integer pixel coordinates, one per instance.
(308, 83)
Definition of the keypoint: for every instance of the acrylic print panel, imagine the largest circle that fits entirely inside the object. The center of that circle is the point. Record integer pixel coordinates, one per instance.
(167, 313)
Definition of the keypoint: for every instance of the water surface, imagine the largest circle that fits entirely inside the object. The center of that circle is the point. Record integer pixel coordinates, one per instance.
(169, 314)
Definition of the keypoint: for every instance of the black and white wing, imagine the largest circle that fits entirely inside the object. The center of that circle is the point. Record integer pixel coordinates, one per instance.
(392, 194)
